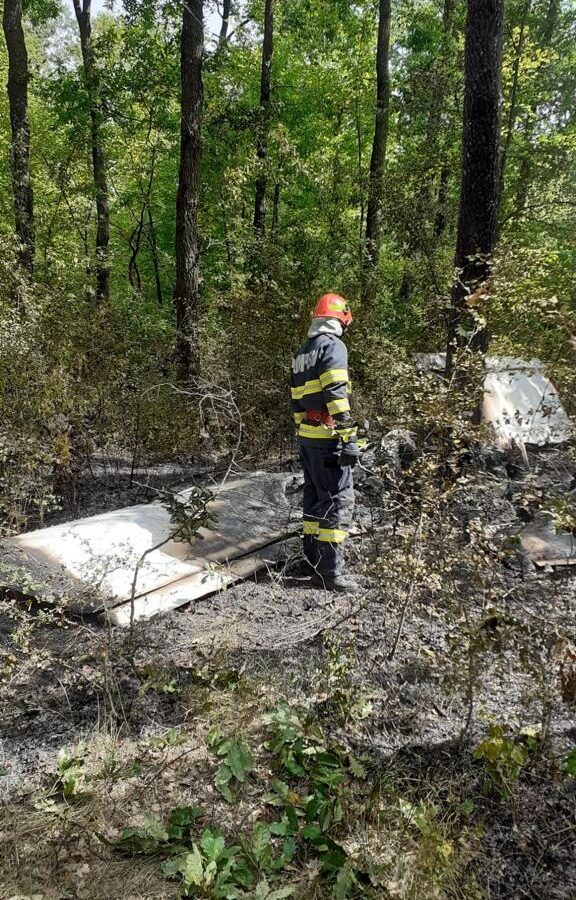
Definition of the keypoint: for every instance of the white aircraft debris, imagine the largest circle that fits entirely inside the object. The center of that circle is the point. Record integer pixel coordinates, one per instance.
(520, 401)
(253, 515)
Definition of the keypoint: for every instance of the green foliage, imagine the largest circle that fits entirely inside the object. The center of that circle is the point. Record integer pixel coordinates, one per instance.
(570, 763)
(504, 755)
(236, 762)
(340, 696)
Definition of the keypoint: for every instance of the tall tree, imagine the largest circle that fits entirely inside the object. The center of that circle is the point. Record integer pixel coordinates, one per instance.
(226, 9)
(378, 157)
(20, 131)
(82, 8)
(480, 171)
(514, 94)
(188, 275)
(263, 126)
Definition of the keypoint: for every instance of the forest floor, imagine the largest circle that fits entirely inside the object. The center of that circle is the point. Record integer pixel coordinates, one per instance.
(446, 728)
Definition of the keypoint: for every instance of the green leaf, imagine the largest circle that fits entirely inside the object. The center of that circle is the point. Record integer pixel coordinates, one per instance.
(344, 882)
(260, 840)
(155, 829)
(334, 859)
(356, 767)
(222, 782)
(240, 760)
(181, 820)
(212, 845)
(192, 868)
(570, 763)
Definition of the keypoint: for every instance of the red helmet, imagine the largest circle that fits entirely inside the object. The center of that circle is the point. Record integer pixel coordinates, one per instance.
(333, 306)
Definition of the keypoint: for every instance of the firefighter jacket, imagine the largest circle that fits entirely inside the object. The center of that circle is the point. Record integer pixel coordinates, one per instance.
(319, 387)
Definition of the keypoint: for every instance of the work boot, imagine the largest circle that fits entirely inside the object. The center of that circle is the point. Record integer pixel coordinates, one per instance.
(340, 583)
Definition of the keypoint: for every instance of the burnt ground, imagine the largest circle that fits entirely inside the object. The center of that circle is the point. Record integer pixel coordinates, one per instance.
(495, 649)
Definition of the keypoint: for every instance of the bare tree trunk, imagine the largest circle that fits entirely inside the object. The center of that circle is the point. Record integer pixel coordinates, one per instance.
(378, 157)
(151, 237)
(480, 170)
(223, 36)
(275, 206)
(513, 106)
(20, 143)
(442, 196)
(92, 82)
(262, 133)
(188, 276)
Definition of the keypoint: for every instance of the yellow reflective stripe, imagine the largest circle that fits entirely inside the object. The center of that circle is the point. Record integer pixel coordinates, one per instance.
(333, 376)
(310, 387)
(299, 417)
(332, 535)
(338, 406)
(310, 527)
(346, 433)
(316, 431)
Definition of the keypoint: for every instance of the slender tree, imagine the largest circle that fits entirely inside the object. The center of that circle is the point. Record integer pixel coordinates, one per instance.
(20, 131)
(223, 36)
(480, 170)
(514, 96)
(263, 127)
(378, 157)
(188, 275)
(82, 8)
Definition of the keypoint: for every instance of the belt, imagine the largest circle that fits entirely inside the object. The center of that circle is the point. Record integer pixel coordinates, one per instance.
(319, 416)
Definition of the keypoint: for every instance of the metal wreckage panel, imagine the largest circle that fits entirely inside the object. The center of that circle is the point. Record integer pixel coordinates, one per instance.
(542, 545)
(253, 516)
(520, 402)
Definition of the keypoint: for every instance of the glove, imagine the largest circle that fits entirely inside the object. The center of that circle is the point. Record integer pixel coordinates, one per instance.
(349, 454)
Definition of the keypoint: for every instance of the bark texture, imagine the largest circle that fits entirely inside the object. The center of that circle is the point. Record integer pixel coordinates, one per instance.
(378, 156)
(262, 134)
(480, 168)
(188, 275)
(226, 8)
(20, 131)
(91, 78)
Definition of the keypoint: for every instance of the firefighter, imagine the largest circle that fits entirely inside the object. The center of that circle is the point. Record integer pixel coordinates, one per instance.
(327, 437)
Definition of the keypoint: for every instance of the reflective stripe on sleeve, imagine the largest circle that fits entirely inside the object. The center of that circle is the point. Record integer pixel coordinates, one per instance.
(333, 376)
(338, 406)
(316, 431)
(310, 387)
(346, 434)
(332, 535)
(309, 527)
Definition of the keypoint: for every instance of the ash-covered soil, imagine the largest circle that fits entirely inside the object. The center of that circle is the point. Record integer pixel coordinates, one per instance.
(426, 668)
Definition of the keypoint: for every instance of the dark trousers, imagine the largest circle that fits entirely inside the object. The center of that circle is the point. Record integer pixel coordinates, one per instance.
(328, 508)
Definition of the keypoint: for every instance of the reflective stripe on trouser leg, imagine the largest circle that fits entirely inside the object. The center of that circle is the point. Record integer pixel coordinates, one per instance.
(328, 499)
(310, 524)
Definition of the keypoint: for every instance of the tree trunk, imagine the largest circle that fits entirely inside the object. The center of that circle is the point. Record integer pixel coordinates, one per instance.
(378, 157)
(223, 37)
(20, 143)
(151, 237)
(275, 206)
(513, 106)
(262, 133)
(188, 276)
(92, 82)
(480, 171)
(440, 100)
